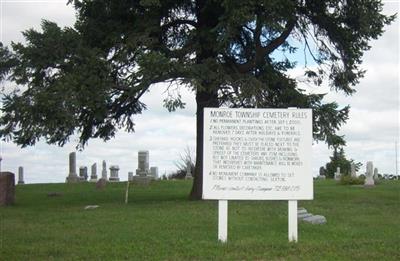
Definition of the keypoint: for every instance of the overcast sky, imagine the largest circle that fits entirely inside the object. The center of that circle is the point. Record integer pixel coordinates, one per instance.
(371, 131)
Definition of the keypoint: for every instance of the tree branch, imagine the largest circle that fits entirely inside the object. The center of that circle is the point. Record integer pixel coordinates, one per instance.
(176, 22)
(262, 51)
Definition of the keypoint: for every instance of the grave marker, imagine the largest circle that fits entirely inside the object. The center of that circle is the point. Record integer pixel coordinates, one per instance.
(104, 171)
(72, 176)
(7, 188)
(369, 179)
(21, 175)
(93, 173)
(83, 173)
(353, 170)
(337, 174)
(114, 173)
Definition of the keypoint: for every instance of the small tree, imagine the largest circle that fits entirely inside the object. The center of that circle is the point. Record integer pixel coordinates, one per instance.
(186, 159)
(339, 159)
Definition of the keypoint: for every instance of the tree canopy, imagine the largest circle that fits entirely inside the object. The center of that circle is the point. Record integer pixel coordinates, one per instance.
(88, 79)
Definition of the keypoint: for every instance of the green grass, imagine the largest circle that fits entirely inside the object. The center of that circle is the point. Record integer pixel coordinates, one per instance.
(159, 223)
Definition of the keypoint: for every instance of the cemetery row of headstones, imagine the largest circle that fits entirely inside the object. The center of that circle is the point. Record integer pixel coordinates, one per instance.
(144, 174)
(371, 174)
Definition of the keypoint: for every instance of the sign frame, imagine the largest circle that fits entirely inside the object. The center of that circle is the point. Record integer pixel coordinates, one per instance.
(306, 144)
(297, 181)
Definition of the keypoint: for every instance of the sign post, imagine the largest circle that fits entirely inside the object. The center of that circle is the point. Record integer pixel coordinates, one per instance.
(292, 220)
(257, 154)
(223, 220)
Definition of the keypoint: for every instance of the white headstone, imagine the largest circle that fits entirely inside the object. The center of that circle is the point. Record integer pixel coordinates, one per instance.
(337, 174)
(104, 171)
(353, 170)
(376, 173)
(144, 175)
(21, 175)
(114, 173)
(143, 163)
(130, 176)
(369, 179)
(154, 172)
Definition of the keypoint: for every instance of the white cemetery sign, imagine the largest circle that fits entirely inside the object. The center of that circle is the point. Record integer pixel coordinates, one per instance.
(257, 154)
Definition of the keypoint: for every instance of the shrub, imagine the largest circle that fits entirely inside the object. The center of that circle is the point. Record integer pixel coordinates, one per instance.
(349, 180)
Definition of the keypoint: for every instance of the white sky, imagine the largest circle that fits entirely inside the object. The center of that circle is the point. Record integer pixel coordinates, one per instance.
(371, 131)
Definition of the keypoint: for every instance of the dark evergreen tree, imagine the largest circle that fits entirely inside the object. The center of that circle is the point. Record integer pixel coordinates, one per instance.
(338, 159)
(89, 79)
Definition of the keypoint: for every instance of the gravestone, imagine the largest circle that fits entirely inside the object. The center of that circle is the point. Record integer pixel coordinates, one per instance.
(83, 173)
(143, 174)
(353, 170)
(101, 184)
(154, 172)
(93, 173)
(376, 173)
(188, 171)
(369, 179)
(7, 188)
(130, 176)
(303, 215)
(72, 176)
(20, 175)
(143, 163)
(104, 171)
(337, 174)
(114, 173)
(315, 219)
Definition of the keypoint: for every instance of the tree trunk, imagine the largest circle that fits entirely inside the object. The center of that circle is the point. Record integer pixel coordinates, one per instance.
(203, 99)
(207, 94)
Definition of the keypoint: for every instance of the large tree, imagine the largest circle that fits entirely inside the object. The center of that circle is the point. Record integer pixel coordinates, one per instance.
(89, 79)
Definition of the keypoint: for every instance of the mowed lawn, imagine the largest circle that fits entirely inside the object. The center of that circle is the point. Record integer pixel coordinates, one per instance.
(159, 223)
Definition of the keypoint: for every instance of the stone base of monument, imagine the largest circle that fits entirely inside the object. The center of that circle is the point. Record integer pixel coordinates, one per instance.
(101, 184)
(21, 182)
(142, 180)
(113, 179)
(321, 177)
(72, 179)
(369, 182)
(93, 180)
(189, 177)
